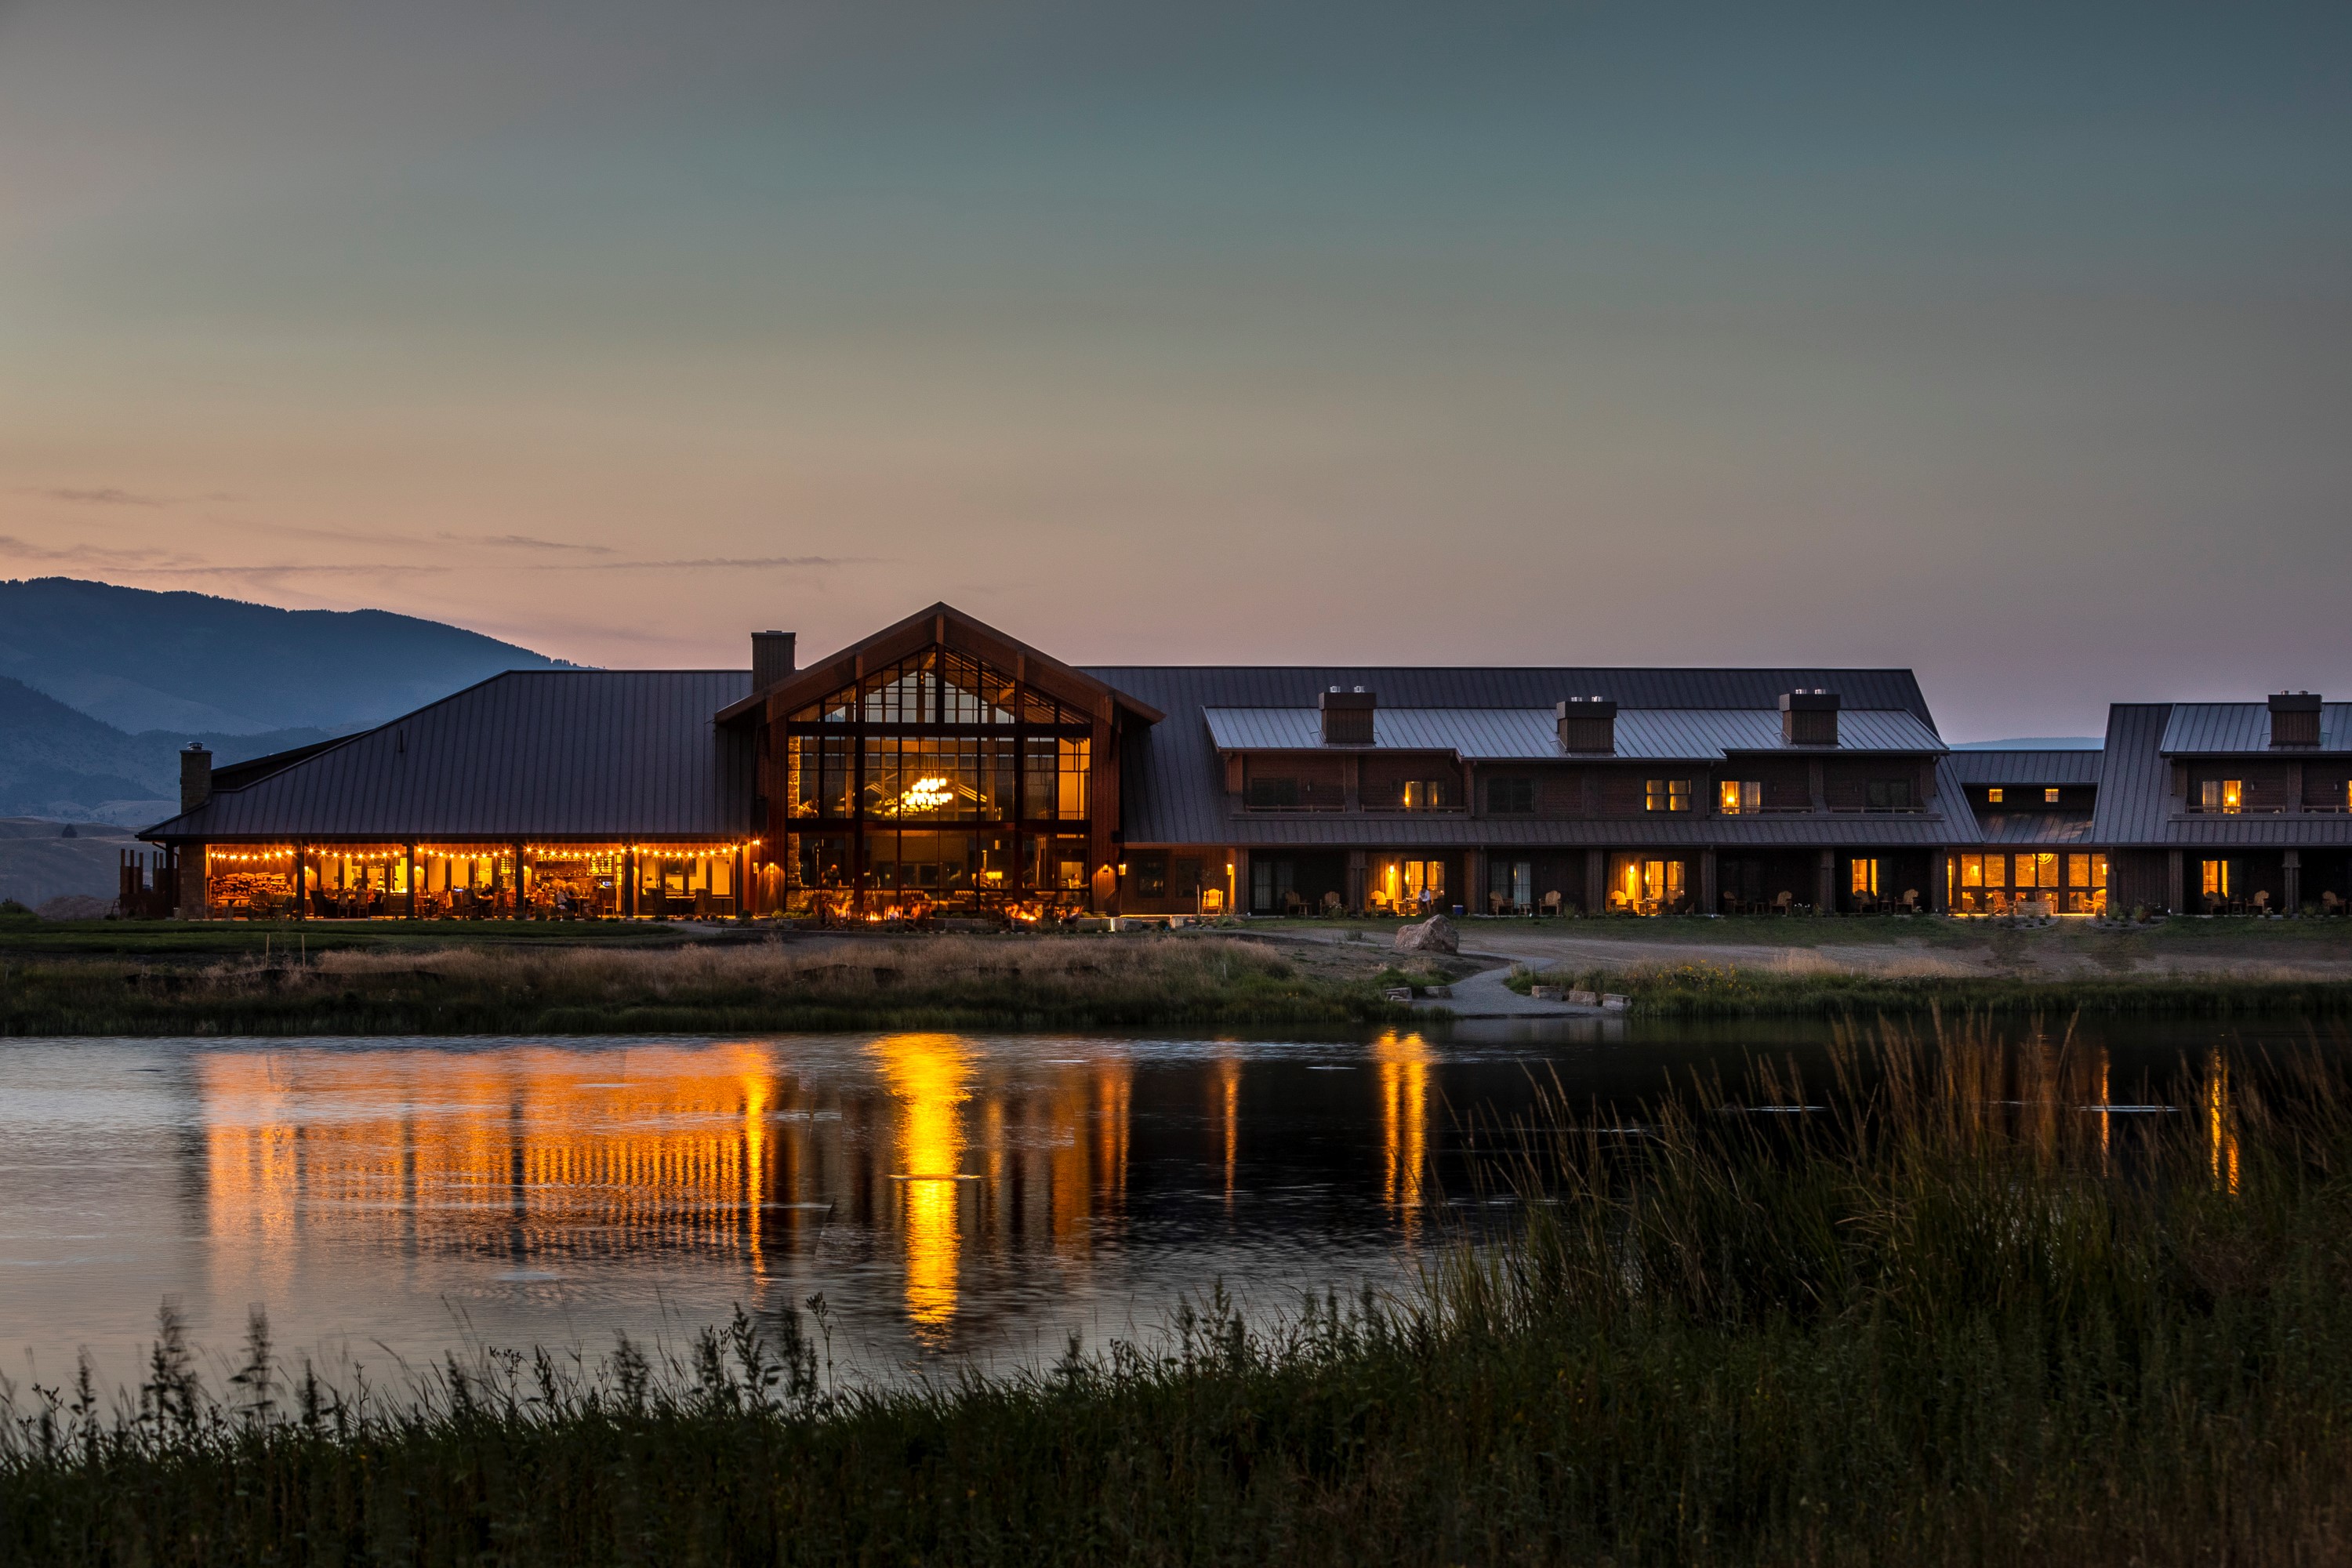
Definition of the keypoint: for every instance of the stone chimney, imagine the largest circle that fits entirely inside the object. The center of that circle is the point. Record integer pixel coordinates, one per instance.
(1587, 724)
(1809, 718)
(1348, 717)
(195, 776)
(771, 659)
(2294, 718)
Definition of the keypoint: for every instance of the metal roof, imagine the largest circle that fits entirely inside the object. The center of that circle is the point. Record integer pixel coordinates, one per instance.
(2035, 827)
(572, 754)
(2028, 767)
(1172, 791)
(2208, 727)
(2135, 781)
(1481, 734)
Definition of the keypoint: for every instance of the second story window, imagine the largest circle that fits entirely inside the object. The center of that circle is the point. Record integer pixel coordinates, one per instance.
(1993, 795)
(1511, 797)
(1274, 795)
(2227, 797)
(2050, 795)
(1888, 795)
(1667, 794)
(1428, 795)
(1742, 797)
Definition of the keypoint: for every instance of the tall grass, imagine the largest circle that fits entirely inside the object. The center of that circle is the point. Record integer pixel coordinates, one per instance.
(1703, 990)
(950, 981)
(1952, 1316)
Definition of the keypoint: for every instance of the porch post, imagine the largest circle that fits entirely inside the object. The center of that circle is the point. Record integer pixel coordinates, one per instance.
(409, 852)
(1596, 881)
(1940, 882)
(1357, 868)
(1709, 902)
(2292, 895)
(2176, 892)
(1825, 900)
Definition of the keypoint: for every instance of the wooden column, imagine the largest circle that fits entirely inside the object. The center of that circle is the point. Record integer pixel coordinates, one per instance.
(194, 891)
(1709, 901)
(629, 902)
(1596, 881)
(408, 856)
(1358, 865)
(2292, 895)
(2176, 892)
(1825, 899)
(1940, 882)
(1473, 882)
(302, 880)
(1237, 890)
(518, 879)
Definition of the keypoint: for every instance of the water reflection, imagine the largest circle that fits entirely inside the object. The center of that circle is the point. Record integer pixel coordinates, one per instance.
(1404, 1063)
(950, 1194)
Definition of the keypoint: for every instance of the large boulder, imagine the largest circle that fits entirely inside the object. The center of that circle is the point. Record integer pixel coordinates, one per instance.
(1436, 934)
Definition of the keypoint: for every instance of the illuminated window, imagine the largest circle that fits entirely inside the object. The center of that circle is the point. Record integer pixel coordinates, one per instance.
(1865, 877)
(1996, 867)
(1428, 795)
(1993, 796)
(1668, 794)
(2227, 797)
(2215, 879)
(2050, 795)
(1742, 796)
(1151, 874)
(1972, 870)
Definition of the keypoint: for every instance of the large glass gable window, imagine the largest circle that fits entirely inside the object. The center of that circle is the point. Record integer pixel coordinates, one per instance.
(938, 739)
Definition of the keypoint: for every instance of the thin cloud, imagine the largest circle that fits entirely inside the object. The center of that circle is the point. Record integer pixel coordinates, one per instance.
(88, 554)
(525, 541)
(104, 496)
(739, 563)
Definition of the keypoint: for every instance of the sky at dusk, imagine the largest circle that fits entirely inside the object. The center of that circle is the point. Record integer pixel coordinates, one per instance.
(2008, 344)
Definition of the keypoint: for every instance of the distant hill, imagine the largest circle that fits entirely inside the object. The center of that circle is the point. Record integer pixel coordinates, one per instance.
(60, 765)
(194, 664)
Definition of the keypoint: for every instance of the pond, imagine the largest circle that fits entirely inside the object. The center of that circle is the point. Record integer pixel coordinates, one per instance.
(958, 1200)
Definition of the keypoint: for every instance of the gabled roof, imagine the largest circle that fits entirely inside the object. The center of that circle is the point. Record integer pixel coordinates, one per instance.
(943, 626)
(2204, 728)
(2027, 766)
(569, 753)
(2135, 779)
(1172, 791)
(1532, 734)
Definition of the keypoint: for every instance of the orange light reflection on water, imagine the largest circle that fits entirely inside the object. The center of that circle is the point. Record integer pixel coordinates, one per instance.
(1404, 1063)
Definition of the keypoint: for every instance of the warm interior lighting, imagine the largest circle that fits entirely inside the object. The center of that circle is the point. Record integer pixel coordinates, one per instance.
(1993, 795)
(933, 794)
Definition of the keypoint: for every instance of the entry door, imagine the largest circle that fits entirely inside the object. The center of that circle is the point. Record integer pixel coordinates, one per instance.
(1271, 882)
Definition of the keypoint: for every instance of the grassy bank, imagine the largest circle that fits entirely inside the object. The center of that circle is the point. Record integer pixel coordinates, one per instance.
(942, 983)
(1954, 1317)
(1723, 990)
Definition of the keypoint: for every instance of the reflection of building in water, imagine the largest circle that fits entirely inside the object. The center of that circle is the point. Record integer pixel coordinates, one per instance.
(1404, 1062)
(931, 1075)
(543, 1156)
(2221, 1122)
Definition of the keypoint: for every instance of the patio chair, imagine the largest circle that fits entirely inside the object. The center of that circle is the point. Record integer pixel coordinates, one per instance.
(1495, 902)
(1910, 900)
(2329, 904)
(1330, 903)
(2262, 902)
(1551, 903)
(1784, 903)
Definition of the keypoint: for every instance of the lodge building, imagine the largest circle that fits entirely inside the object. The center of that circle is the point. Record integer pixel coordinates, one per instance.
(939, 767)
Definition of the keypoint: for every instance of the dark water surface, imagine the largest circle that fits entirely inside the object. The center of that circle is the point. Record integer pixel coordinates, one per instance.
(956, 1198)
